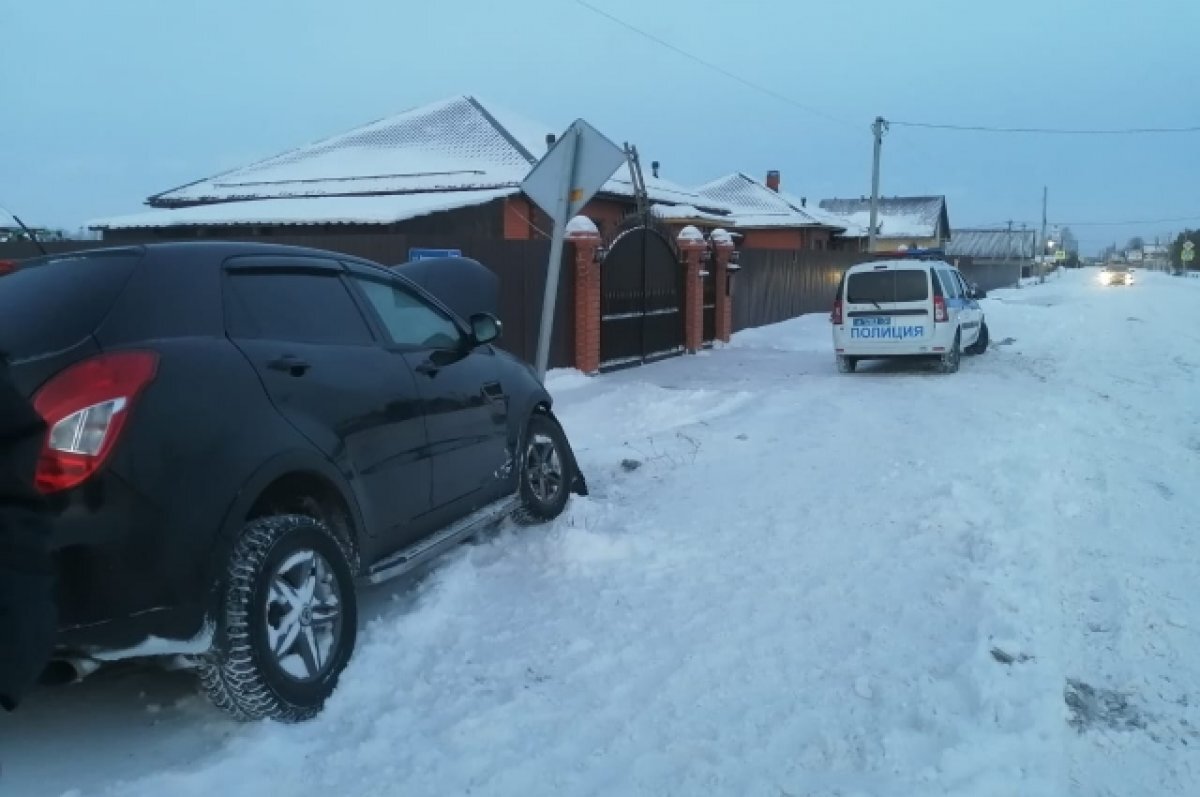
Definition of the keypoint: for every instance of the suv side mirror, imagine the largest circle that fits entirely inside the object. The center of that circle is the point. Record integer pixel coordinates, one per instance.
(977, 292)
(485, 328)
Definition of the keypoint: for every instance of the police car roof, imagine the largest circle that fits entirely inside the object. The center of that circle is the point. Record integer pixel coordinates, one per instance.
(897, 263)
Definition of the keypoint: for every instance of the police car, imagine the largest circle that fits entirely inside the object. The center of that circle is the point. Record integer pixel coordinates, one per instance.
(907, 308)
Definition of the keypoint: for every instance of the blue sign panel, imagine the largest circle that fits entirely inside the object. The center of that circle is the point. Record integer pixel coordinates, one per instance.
(416, 253)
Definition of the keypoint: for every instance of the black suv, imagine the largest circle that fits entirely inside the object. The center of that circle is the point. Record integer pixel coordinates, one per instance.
(239, 433)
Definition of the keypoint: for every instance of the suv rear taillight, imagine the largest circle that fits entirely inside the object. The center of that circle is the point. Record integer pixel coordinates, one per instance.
(836, 315)
(86, 407)
(939, 310)
(7, 267)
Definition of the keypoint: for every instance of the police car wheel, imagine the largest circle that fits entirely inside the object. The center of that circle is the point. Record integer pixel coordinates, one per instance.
(846, 365)
(948, 364)
(981, 343)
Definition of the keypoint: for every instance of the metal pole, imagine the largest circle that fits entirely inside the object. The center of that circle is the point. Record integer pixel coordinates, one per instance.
(550, 297)
(877, 129)
(1008, 251)
(1042, 240)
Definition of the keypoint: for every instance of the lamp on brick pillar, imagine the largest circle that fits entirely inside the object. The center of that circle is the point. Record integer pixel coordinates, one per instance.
(691, 249)
(722, 244)
(582, 233)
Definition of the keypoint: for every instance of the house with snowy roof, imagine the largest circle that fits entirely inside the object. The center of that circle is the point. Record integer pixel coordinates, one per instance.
(449, 168)
(988, 245)
(768, 218)
(904, 222)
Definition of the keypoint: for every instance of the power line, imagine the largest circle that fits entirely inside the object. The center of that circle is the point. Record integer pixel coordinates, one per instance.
(1061, 131)
(714, 67)
(1128, 131)
(1126, 223)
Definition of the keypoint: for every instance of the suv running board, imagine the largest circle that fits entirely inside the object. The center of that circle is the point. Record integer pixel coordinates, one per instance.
(414, 556)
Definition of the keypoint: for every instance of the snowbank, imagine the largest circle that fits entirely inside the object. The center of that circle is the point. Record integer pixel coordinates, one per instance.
(786, 581)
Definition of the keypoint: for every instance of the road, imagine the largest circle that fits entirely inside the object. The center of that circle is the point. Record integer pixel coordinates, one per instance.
(786, 582)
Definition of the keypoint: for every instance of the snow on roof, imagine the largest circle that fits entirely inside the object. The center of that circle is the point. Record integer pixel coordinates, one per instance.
(754, 205)
(991, 243)
(658, 189)
(850, 229)
(454, 144)
(386, 209)
(689, 213)
(899, 217)
(460, 143)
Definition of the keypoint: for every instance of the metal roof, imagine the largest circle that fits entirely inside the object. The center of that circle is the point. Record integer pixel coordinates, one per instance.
(992, 243)
(754, 205)
(457, 144)
(452, 145)
(386, 209)
(899, 216)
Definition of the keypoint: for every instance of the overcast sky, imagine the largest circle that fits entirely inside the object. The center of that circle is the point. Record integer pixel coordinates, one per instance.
(108, 102)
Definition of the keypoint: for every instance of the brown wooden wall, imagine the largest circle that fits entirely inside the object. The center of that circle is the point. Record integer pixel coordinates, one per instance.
(775, 285)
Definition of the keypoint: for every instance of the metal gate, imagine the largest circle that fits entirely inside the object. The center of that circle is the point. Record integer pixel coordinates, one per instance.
(710, 307)
(641, 300)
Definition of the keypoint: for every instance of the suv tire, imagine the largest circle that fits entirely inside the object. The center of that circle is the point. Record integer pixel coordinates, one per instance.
(287, 622)
(948, 363)
(546, 472)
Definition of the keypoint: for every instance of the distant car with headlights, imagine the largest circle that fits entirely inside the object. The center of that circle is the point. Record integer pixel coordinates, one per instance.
(1116, 275)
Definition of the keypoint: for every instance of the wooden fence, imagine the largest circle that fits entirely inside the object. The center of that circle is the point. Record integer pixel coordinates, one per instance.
(775, 285)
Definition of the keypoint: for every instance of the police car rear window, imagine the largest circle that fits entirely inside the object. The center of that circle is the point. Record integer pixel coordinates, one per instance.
(899, 285)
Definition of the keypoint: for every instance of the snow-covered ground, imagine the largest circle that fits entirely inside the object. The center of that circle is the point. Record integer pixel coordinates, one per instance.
(889, 583)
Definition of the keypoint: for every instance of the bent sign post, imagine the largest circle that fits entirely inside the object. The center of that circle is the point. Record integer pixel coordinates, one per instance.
(561, 183)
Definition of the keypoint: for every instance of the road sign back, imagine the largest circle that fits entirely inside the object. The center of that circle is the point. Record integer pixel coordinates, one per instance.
(583, 157)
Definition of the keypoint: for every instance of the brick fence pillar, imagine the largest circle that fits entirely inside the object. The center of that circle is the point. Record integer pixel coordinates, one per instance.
(586, 238)
(722, 244)
(691, 249)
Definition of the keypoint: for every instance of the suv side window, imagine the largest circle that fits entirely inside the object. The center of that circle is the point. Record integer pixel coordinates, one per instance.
(950, 285)
(299, 306)
(962, 282)
(408, 319)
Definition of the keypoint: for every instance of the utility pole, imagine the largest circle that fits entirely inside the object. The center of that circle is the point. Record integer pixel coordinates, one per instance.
(1009, 248)
(1042, 240)
(878, 129)
(1031, 251)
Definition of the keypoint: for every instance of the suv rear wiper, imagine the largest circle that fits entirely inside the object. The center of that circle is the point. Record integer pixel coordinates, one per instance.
(28, 232)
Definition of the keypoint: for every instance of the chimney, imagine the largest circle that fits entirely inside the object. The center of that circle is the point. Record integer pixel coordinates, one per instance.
(773, 180)
(803, 201)
(550, 137)
(654, 168)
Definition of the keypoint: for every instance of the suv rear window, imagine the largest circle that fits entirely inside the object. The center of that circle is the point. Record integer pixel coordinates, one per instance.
(52, 303)
(893, 285)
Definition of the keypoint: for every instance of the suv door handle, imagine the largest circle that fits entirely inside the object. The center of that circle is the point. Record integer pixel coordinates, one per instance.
(428, 368)
(290, 365)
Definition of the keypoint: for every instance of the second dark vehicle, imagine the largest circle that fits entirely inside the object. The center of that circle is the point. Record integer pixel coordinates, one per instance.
(241, 434)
